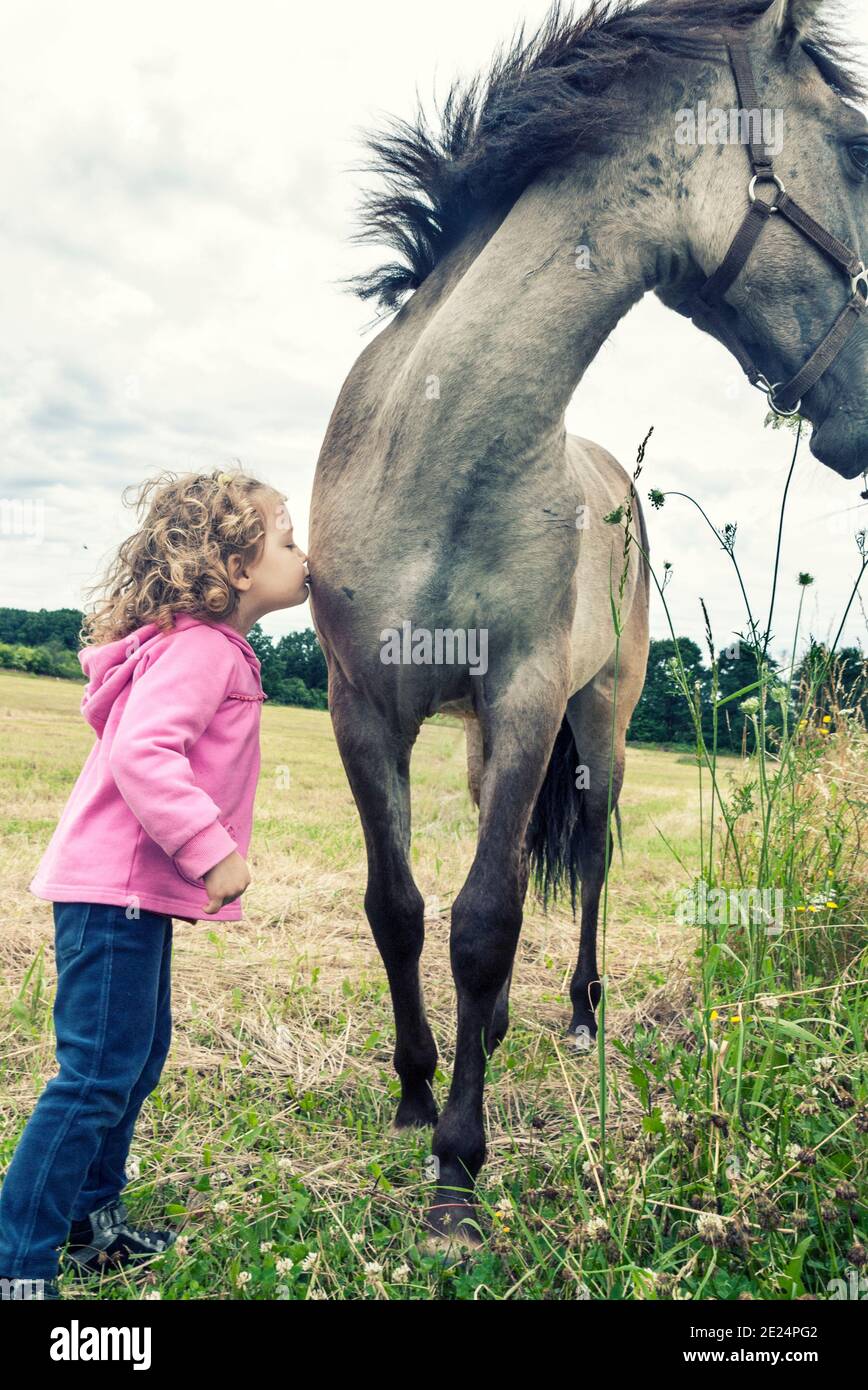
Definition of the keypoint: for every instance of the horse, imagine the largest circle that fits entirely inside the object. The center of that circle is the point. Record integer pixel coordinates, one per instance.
(559, 189)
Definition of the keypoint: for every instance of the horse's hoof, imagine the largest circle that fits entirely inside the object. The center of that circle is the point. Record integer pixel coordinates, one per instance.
(452, 1227)
(416, 1113)
(582, 1033)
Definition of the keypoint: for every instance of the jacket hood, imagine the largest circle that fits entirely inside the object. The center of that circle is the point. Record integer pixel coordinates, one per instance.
(109, 667)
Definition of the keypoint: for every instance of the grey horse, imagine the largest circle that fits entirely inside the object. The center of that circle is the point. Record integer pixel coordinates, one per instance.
(449, 498)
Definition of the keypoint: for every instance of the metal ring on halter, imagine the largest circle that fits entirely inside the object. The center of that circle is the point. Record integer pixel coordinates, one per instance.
(860, 279)
(763, 384)
(773, 178)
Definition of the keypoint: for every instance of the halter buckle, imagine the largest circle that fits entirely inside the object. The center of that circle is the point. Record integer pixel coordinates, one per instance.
(859, 282)
(763, 384)
(767, 178)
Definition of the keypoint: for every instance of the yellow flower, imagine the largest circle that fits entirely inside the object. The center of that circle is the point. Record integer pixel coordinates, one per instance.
(714, 1015)
(831, 904)
(813, 909)
(800, 909)
(735, 1019)
(827, 718)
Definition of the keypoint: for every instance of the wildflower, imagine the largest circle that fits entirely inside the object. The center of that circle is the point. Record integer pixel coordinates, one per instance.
(831, 904)
(401, 1274)
(373, 1269)
(714, 1015)
(656, 498)
(807, 1158)
(768, 1001)
(808, 1108)
(133, 1166)
(711, 1229)
(768, 1214)
(264, 1246)
(242, 1278)
(750, 706)
(181, 1244)
(860, 1120)
(827, 718)
(318, 1294)
(800, 1220)
(221, 1207)
(805, 580)
(596, 1229)
(357, 1237)
(846, 1192)
(856, 1254)
(152, 1294)
(284, 1264)
(310, 1261)
(829, 1213)
(612, 518)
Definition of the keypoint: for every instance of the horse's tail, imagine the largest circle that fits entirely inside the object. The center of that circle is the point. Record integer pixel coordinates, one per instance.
(554, 835)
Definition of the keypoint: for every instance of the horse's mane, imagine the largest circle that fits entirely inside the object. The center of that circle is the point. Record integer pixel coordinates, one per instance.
(561, 92)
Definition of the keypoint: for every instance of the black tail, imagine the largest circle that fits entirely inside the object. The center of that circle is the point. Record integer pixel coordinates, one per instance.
(555, 835)
(555, 830)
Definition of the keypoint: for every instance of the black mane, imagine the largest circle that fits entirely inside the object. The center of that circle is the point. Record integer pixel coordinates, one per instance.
(561, 92)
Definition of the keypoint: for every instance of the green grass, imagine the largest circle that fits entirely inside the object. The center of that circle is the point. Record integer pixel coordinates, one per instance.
(733, 1162)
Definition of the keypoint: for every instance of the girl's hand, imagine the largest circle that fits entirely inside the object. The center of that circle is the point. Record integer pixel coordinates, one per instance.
(226, 881)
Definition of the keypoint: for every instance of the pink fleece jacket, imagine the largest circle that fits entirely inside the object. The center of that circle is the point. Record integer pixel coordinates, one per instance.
(167, 789)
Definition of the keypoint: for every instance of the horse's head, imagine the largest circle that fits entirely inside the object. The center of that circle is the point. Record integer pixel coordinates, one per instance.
(786, 293)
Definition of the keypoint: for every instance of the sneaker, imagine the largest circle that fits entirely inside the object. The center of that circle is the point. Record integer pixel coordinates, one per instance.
(104, 1239)
(28, 1288)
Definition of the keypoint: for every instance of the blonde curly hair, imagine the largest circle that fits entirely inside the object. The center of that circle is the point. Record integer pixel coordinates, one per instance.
(178, 559)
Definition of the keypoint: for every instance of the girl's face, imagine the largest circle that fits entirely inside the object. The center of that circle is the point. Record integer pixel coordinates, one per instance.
(279, 578)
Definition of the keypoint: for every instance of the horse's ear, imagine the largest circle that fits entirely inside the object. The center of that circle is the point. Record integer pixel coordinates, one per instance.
(790, 20)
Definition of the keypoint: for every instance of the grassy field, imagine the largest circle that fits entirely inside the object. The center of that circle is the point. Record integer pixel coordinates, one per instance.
(269, 1138)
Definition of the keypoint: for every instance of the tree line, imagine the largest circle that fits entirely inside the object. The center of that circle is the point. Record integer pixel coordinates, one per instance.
(294, 673)
(46, 643)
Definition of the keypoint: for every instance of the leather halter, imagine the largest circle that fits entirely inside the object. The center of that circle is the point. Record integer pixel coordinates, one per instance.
(703, 306)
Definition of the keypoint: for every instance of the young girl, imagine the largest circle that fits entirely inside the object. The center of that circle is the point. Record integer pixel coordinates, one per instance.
(156, 827)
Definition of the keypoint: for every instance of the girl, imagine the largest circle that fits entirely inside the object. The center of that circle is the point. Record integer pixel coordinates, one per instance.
(156, 827)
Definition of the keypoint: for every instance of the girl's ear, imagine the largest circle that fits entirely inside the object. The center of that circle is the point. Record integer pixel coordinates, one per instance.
(238, 578)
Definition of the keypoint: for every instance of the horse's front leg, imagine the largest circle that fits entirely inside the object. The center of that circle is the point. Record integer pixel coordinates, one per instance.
(377, 763)
(520, 723)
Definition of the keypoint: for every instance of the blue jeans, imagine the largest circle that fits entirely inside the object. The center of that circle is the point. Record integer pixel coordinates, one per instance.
(113, 1021)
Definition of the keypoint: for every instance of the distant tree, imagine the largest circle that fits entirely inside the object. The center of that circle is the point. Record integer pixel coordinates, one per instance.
(59, 626)
(841, 680)
(662, 714)
(293, 668)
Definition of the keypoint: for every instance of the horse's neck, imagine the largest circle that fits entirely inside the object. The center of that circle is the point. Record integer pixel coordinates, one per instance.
(511, 329)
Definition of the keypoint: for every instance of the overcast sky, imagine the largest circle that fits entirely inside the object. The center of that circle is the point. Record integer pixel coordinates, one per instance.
(177, 207)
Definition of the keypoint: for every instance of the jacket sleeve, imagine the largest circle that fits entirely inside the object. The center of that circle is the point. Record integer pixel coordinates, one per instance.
(170, 704)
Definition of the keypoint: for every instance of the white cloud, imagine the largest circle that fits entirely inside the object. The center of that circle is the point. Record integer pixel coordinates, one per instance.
(177, 207)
